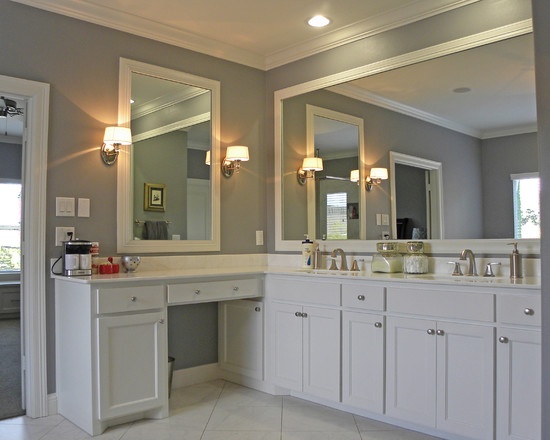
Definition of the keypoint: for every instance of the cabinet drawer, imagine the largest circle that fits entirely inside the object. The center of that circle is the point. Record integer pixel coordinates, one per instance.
(304, 291)
(363, 297)
(475, 306)
(519, 309)
(129, 299)
(207, 291)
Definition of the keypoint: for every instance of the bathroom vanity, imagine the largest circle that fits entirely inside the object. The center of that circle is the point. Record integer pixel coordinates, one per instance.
(455, 358)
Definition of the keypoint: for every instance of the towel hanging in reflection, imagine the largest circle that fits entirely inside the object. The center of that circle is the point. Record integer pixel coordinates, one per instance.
(155, 230)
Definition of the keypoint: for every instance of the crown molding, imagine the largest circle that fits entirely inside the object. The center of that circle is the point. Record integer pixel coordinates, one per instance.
(126, 22)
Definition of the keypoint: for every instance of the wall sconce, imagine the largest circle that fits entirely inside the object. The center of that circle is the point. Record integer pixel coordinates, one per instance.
(308, 168)
(376, 177)
(233, 158)
(113, 138)
(354, 176)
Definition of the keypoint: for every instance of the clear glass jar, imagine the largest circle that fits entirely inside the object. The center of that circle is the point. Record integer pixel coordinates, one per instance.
(415, 261)
(388, 259)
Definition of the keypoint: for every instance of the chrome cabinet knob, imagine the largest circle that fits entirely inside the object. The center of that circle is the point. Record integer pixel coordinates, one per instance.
(529, 312)
(378, 324)
(440, 332)
(133, 299)
(503, 340)
(235, 288)
(361, 297)
(304, 315)
(161, 321)
(298, 314)
(430, 331)
(197, 292)
(257, 309)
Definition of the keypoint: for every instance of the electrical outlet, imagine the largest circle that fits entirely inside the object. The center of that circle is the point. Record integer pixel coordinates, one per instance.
(61, 234)
(385, 235)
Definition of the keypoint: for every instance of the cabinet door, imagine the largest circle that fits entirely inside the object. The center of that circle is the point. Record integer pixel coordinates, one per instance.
(518, 384)
(363, 361)
(133, 363)
(286, 345)
(241, 337)
(321, 348)
(465, 377)
(411, 370)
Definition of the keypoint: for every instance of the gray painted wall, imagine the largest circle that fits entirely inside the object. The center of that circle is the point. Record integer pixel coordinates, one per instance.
(501, 157)
(80, 62)
(541, 18)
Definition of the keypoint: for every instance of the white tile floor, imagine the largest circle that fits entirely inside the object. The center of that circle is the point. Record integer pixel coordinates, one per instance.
(223, 411)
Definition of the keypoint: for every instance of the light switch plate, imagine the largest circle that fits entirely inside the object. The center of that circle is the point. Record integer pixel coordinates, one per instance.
(385, 219)
(259, 238)
(83, 207)
(64, 206)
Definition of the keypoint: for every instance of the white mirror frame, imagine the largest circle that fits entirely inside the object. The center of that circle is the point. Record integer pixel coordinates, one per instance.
(437, 197)
(125, 241)
(488, 246)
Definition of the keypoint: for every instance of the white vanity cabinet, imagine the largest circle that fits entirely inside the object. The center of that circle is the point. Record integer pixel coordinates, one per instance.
(304, 336)
(518, 366)
(363, 330)
(241, 338)
(111, 353)
(439, 372)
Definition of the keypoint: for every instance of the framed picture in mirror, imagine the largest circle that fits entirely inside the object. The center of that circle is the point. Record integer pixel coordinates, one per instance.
(154, 197)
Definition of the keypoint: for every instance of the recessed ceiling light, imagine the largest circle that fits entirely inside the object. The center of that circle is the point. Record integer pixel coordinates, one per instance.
(462, 90)
(318, 21)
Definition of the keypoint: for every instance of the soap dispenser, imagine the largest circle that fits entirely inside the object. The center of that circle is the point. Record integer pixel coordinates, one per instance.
(307, 253)
(515, 262)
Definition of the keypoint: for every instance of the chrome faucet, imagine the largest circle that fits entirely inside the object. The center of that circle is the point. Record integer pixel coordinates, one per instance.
(334, 254)
(467, 253)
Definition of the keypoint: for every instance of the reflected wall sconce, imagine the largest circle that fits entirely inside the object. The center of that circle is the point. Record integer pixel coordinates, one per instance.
(233, 158)
(113, 138)
(207, 159)
(354, 176)
(376, 177)
(308, 168)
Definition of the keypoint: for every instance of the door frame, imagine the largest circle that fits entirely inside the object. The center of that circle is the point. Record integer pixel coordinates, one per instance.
(33, 241)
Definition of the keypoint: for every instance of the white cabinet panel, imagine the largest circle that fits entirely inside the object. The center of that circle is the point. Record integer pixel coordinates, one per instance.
(518, 384)
(241, 339)
(132, 361)
(363, 360)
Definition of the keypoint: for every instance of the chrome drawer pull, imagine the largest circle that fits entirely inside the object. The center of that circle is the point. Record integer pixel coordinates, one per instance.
(236, 288)
(298, 314)
(503, 340)
(197, 292)
(133, 298)
(440, 332)
(529, 312)
(161, 321)
(257, 309)
(378, 324)
(361, 297)
(430, 331)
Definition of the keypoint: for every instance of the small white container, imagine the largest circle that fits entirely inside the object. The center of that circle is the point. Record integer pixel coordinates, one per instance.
(415, 261)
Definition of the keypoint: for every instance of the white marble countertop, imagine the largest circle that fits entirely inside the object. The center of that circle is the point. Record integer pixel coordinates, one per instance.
(182, 275)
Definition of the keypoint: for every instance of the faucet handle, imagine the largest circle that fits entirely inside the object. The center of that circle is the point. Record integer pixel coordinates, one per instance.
(457, 270)
(489, 269)
(333, 265)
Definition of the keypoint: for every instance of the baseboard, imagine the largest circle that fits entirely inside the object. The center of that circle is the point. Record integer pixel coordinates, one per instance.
(52, 404)
(195, 375)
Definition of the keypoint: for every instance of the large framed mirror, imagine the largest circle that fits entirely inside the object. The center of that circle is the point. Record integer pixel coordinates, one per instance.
(168, 182)
(474, 173)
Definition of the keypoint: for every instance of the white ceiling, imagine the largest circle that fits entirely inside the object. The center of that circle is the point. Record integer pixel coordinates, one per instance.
(264, 34)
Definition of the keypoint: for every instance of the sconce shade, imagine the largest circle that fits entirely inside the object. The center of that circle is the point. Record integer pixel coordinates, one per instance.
(237, 152)
(379, 173)
(117, 135)
(312, 164)
(207, 160)
(354, 175)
